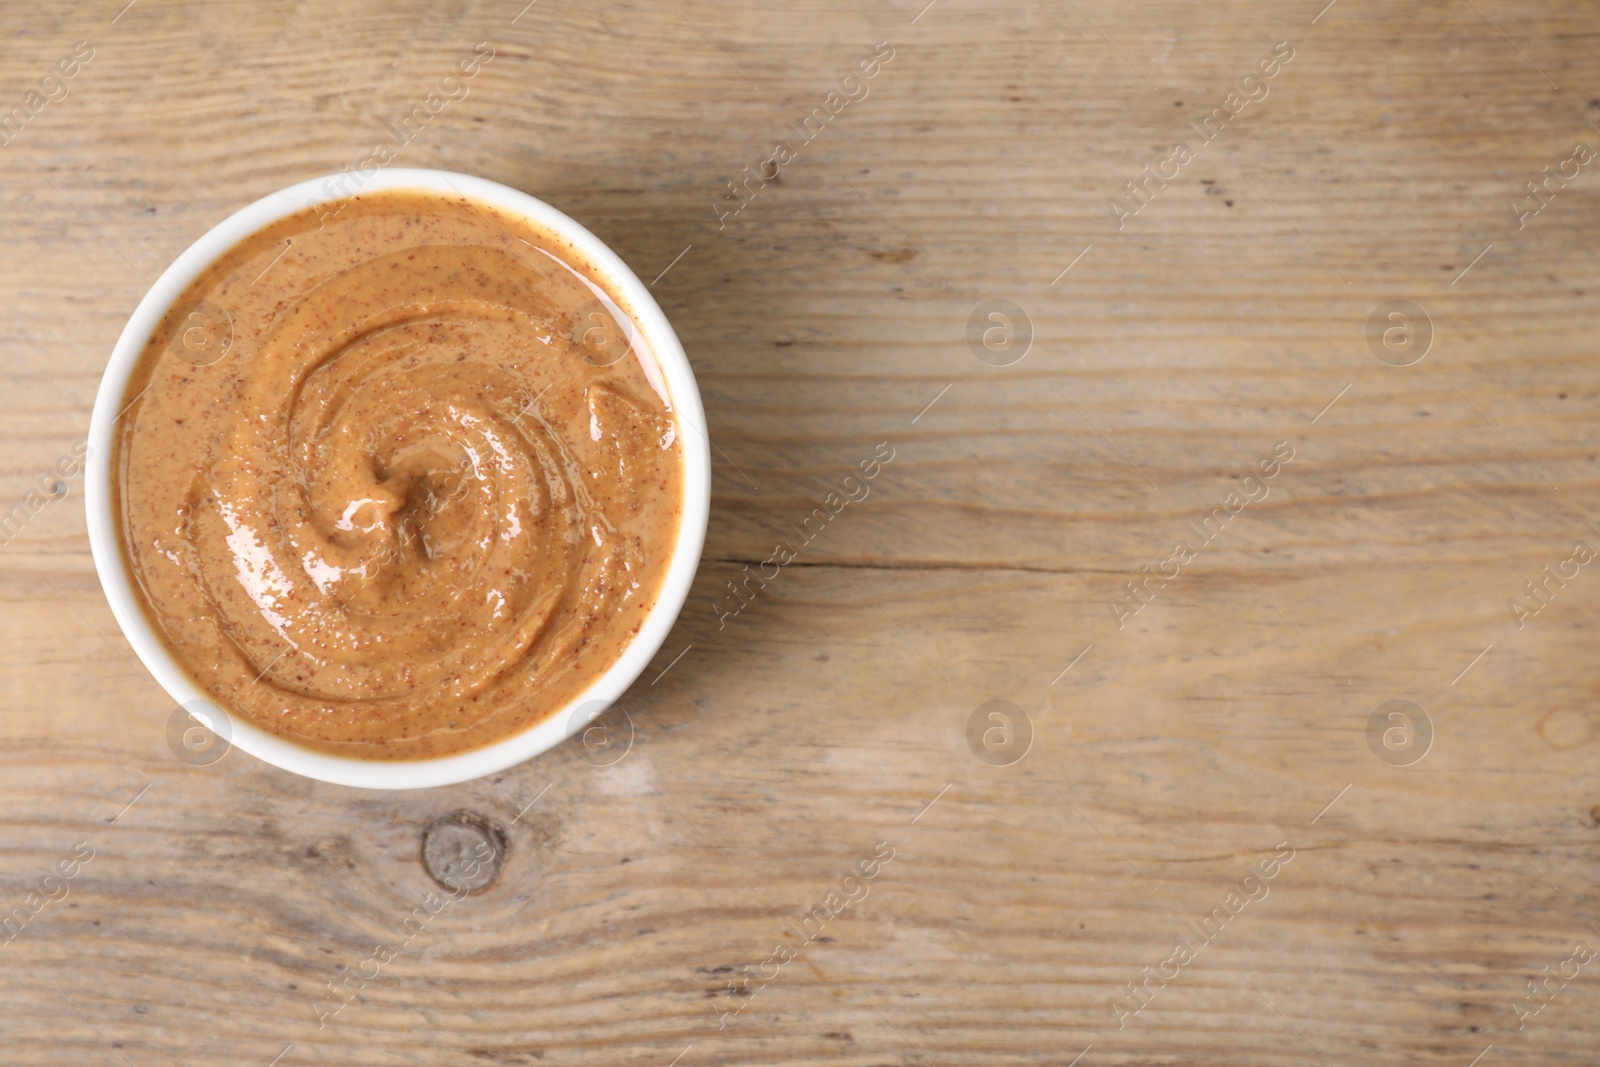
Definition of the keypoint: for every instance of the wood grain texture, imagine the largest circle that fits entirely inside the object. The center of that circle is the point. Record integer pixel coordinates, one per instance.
(1180, 749)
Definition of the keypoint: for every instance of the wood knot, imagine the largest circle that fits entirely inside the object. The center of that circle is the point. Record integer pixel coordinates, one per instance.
(463, 852)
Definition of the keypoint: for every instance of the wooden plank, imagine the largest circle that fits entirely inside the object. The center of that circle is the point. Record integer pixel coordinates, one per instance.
(1169, 755)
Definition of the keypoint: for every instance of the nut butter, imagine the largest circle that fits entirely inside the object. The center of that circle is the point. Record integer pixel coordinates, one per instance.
(398, 477)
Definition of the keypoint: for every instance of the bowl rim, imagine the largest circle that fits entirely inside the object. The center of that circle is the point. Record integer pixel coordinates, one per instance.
(117, 579)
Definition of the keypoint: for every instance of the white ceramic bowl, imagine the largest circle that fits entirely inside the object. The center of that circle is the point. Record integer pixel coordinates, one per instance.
(119, 584)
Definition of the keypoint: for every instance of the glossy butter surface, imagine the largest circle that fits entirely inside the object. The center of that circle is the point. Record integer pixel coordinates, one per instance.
(398, 479)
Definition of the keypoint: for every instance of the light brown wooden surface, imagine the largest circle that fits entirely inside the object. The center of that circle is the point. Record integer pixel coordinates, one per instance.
(775, 754)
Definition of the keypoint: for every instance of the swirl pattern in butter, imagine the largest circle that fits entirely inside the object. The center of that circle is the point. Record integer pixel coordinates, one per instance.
(399, 480)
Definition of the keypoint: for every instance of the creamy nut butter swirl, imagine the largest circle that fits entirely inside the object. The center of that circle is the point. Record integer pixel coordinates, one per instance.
(398, 480)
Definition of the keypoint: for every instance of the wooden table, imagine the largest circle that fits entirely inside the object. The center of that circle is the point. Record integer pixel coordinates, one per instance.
(652, 910)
